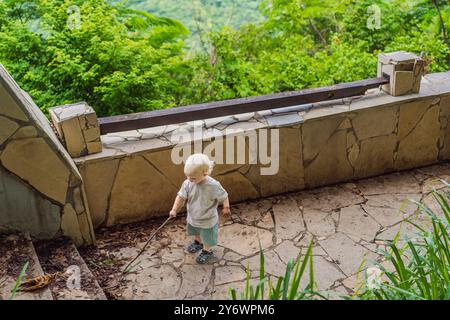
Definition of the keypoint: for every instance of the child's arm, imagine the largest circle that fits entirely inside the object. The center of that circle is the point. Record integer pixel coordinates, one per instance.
(226, 206)
(177, 205)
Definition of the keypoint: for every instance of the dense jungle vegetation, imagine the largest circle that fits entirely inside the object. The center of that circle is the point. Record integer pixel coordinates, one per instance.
(131, 56)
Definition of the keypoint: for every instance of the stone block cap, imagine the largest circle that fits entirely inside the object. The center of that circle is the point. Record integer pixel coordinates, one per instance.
(404, 70)
(398, 57)
(69, 111)
(77, 127)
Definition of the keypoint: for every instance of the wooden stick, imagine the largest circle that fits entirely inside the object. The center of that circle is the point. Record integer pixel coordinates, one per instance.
(145, 246)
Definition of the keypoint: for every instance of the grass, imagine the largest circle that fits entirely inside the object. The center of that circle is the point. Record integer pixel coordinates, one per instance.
(287, 287)
(130, 268)
(420, 270)
(417, 270)
(19, 281)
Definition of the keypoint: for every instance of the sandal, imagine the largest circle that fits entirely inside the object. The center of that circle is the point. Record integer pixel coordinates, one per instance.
(194, 247)
(205, 257)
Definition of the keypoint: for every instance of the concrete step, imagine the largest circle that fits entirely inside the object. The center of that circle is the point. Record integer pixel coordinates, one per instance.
(15, 250)
(76, 281)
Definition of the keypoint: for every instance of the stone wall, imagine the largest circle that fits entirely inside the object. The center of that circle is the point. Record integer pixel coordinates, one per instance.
(41, 189)
(133, 178)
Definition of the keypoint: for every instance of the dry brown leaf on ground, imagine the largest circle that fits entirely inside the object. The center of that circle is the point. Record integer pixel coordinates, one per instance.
(37, 283)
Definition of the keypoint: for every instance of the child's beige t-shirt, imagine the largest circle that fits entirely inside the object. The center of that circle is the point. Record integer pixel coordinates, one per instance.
(202, 201)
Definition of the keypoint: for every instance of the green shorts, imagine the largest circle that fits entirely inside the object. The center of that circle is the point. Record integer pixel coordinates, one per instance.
(208, 236)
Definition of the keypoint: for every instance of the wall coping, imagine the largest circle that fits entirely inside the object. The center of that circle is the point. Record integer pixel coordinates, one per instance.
(134, 142)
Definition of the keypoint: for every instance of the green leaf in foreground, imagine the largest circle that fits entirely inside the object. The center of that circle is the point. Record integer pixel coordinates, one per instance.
(19, 280)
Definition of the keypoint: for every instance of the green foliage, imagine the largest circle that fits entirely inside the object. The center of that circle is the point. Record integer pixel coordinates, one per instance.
(313, 43)
(202, 16)
(287, 287)
(19, 281)
(119, 60)
(420, 270)
(127, 56)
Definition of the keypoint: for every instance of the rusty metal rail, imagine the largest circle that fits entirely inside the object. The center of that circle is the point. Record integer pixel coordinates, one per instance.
(214, 109)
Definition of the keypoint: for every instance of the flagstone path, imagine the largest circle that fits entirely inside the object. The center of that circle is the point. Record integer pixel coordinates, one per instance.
(347, 224)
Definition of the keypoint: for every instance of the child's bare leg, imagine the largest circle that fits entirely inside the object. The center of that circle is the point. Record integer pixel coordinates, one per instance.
(197, 237)
(206, 248)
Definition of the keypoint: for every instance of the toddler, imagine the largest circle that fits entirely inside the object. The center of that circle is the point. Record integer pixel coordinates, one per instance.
(203, 195)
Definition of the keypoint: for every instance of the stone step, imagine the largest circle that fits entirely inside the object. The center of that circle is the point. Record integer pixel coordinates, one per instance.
(15, 250)
(76, 281)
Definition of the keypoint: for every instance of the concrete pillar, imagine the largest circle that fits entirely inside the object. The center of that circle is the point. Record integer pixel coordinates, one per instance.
(78, 128)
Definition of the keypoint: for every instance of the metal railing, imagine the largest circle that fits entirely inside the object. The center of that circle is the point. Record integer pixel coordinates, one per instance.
(214, 109)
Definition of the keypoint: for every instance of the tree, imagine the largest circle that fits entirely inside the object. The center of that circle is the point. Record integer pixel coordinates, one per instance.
(123, 60)
(312, 43)
(118, 60)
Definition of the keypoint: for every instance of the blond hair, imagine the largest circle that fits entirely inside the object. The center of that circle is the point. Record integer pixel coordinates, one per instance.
(198, 162)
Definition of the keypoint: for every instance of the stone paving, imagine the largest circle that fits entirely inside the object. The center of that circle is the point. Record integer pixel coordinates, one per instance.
(347, 223)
